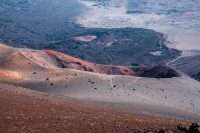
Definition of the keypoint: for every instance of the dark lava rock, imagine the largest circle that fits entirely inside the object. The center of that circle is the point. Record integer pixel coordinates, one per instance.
(159, 72)
(196, 76)
(194, 128)
(34, 73)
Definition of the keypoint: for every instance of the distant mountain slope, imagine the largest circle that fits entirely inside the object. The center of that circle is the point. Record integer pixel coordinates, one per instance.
(189, 65)
(50, 24)
(31, 23)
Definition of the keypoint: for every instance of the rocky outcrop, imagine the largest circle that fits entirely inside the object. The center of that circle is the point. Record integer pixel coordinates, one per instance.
(159, 72)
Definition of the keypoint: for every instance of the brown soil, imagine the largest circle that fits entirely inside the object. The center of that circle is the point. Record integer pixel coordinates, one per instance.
(23, 110)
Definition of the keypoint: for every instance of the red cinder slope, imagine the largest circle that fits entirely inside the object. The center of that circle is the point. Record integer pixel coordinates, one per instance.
(29, 60)
(66, 61)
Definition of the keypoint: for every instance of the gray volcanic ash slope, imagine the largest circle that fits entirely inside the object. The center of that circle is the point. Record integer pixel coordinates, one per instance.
(52, 25)
(58, 114)
(188, 64)
(38, 70)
